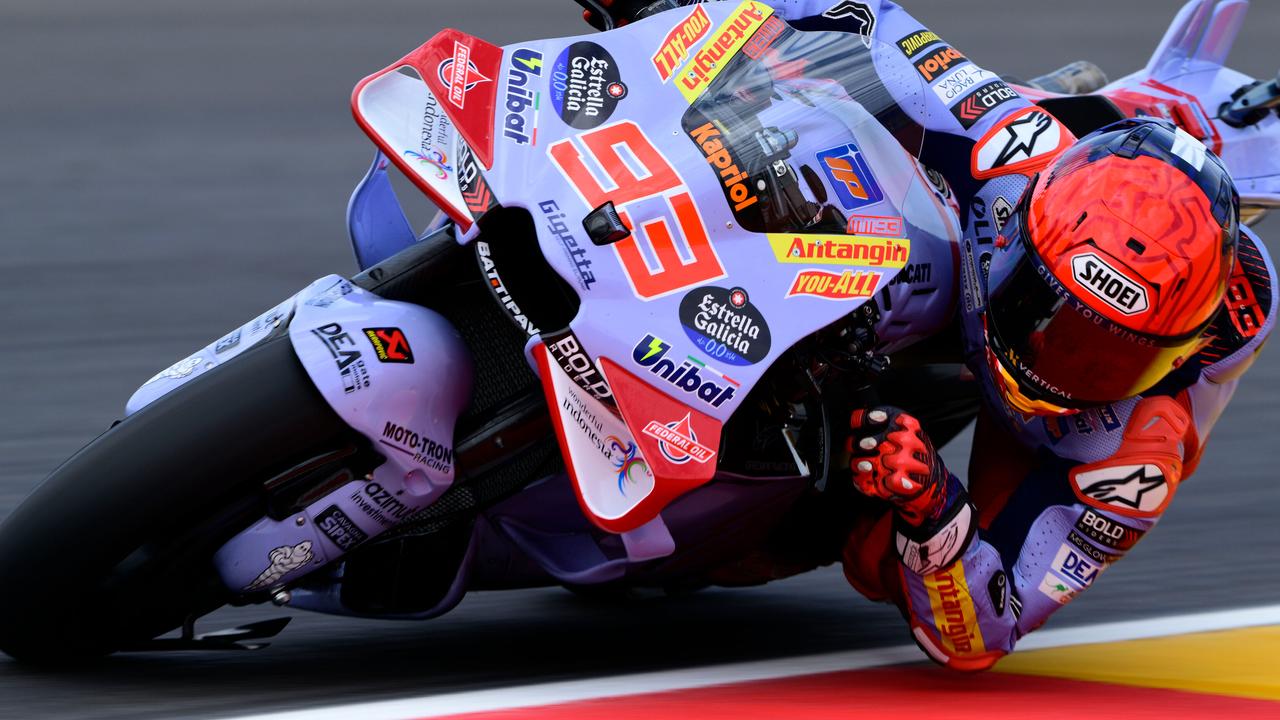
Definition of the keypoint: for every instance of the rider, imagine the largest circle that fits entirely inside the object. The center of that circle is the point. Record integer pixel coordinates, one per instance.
(1108, 319)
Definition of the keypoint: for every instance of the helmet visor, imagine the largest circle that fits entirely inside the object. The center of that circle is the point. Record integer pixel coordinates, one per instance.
(1057, 349)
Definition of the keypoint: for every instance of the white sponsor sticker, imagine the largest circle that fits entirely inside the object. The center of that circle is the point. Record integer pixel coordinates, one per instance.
(1108, 284)
(959, 82)
(1027, 137)
(1136, 488)
(1079, 569)
(1189, 149)
(1057, 589)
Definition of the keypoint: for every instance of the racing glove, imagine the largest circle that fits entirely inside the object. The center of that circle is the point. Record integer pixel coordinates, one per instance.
(893, 460)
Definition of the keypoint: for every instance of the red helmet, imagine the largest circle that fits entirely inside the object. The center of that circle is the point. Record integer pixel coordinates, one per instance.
(1107, 275)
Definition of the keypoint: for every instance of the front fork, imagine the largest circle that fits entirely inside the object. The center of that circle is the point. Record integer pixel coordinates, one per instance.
(400, 375)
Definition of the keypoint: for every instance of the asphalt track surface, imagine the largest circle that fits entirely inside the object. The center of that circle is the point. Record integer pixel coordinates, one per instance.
(168, 170)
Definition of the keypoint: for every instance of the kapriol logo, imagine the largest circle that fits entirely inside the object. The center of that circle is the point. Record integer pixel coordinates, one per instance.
(1109, 284)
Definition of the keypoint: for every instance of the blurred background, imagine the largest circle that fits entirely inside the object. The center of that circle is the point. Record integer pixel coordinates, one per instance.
(169, 169)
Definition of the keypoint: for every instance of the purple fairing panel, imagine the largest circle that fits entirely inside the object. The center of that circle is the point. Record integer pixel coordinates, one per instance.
(1190, 62)
(759, 173)
(375, 221)
(400, 375)
(216, 353)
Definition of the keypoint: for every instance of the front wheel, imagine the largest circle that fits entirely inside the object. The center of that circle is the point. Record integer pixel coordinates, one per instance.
(116, 546)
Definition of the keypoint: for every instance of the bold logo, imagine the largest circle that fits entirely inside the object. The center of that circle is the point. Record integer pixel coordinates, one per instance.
(725, 325)
(917, 41)
(850, 177)
(678, 442)
(434, 159)
(860, 14)
(586, 85)
(632, 469)
(848, 285)
(953, 611)
(675, 48)
(568, 352)
(876, 225)
(500, 290)
(340, 529)
(1109, 284)
(390, 345)
(1075, 567)
(459, 75)
(938, 62)
(977, 104)
(735, 182)
(574, 252)
(841, 250)
(725, 42)
(687, 377)
(919, 273)
(1140, 489)
(1103, 529)
(1022, 143)
(346, 356)
(475, 191)
(525, 65)
(421, 448)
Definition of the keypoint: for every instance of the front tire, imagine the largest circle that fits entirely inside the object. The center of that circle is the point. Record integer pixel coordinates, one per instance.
(115, 546)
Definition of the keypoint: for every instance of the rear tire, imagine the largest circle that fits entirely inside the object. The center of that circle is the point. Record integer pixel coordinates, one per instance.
(115, 546)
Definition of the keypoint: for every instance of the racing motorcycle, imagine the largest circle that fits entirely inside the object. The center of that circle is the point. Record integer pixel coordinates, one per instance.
(670, 258)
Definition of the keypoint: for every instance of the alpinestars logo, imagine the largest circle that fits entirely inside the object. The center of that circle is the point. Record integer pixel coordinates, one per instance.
(1140, 489)
(678, 442)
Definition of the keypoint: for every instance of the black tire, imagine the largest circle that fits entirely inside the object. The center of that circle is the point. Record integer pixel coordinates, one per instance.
(115, 546)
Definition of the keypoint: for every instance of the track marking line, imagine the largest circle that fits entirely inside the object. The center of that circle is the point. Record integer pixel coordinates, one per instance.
(429, 706)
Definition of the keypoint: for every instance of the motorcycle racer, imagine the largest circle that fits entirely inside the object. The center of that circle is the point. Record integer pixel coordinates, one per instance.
(1110, 303)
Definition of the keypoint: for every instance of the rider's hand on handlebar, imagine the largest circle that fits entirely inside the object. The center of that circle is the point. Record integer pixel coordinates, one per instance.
(893, 459)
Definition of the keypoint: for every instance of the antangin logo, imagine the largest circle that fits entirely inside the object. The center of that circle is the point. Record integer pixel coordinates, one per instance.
(1109, 284)
(841, 250)
(727, 40)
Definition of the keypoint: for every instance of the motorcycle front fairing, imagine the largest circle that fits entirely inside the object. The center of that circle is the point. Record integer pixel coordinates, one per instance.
(762, 180)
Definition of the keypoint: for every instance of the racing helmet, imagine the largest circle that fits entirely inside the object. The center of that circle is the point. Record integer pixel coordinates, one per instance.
(1110, 269)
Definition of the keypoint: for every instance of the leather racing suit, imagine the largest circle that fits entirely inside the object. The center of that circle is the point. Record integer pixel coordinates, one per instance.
(1059, 499)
